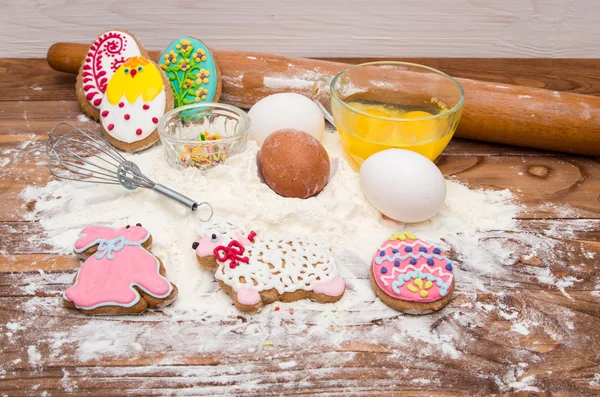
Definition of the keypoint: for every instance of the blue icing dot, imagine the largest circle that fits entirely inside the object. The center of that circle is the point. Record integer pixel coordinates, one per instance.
(407, 249)
(437, 251)
(413, 261)
(382, 253)
(396, 263)
(449, 267)
(383, 270)
(423, 249)
(395, 251)
(430, 262)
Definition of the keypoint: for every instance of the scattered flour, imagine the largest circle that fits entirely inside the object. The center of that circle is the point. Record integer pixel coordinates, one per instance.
(288, 364)
(82, 118)
(34, 356)
(474, 225)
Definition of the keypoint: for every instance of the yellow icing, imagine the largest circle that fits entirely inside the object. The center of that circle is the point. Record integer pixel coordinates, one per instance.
(402, 236)
(146, 82)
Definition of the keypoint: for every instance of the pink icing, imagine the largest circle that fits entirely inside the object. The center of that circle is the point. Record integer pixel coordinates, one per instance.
(334, 287)
(90, 234)
(206, 247)
(248, 296)
(109, 282)
(411, 290)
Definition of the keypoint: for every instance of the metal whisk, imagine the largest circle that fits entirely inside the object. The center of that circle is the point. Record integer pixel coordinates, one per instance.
(85, 156)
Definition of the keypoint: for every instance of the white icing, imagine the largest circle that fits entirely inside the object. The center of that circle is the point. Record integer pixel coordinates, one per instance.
(109, 63)
(286, 264)
(125, 130)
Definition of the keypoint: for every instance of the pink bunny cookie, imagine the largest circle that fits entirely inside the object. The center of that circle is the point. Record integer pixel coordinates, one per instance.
(411, 275)
(255, 270)
(119, 276)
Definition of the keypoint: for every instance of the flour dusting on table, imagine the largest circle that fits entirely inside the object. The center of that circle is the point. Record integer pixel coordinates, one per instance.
(474, 226)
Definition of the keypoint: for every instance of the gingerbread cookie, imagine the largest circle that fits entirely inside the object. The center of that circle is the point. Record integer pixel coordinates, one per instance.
(137, 96)
(110, 50)
(411, 275)
(256, 270)
(120, 275)
(192, 71)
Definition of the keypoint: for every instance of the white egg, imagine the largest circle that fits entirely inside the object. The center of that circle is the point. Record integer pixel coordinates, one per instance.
(403, 185)
(285, 111)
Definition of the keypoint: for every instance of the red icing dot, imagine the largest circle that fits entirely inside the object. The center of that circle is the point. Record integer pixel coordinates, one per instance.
(105, 113)
(110, 127)
(127, 117)
(97, 102)
(121, 104)
(154, 120)
(138, 131)
(146, 106)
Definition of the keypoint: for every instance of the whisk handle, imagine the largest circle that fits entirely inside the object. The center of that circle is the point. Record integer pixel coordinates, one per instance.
(180, 198)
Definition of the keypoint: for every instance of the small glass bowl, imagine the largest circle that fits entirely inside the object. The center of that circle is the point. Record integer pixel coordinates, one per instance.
(203, 135)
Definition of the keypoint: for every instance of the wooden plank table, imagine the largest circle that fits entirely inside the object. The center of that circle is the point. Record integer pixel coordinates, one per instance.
(562, 198)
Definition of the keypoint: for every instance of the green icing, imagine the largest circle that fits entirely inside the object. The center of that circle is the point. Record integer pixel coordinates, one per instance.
(191, 69)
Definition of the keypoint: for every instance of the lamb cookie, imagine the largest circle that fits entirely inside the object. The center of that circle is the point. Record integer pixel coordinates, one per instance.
(192, 71)
(120, 275)
(110, 50)
(137, 96)
(256, 270)
(411, 275)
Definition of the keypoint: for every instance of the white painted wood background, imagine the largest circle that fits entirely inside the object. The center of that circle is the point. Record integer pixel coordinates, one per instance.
(379, 28)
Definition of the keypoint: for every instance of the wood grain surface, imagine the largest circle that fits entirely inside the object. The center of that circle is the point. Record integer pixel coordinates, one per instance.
(558, 356)
(385, 28)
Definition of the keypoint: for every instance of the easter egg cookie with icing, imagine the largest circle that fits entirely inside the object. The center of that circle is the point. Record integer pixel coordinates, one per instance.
(411, 276)
(192, 72)
(137, 96)
(106, 54)
(120, 274)
(256, 270)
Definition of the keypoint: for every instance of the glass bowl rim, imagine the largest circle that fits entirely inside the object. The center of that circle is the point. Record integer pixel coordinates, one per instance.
(452, 110)
(243, 117)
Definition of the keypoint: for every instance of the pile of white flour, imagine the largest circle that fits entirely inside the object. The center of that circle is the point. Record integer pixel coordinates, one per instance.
(340, 213)
(473, 225)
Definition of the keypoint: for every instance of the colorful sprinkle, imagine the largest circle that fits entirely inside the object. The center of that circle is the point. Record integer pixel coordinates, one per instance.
(267, 343)
(277, 308)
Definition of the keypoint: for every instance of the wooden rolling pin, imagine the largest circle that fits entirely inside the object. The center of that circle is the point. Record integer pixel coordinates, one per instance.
(500, 113)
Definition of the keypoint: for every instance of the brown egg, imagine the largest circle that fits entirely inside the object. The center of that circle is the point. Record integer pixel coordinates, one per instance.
(294, 164)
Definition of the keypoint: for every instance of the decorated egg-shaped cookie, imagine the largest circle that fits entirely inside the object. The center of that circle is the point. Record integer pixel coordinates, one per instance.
(411, 275)
(136, 97)
(192, 72)
(110, 50)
